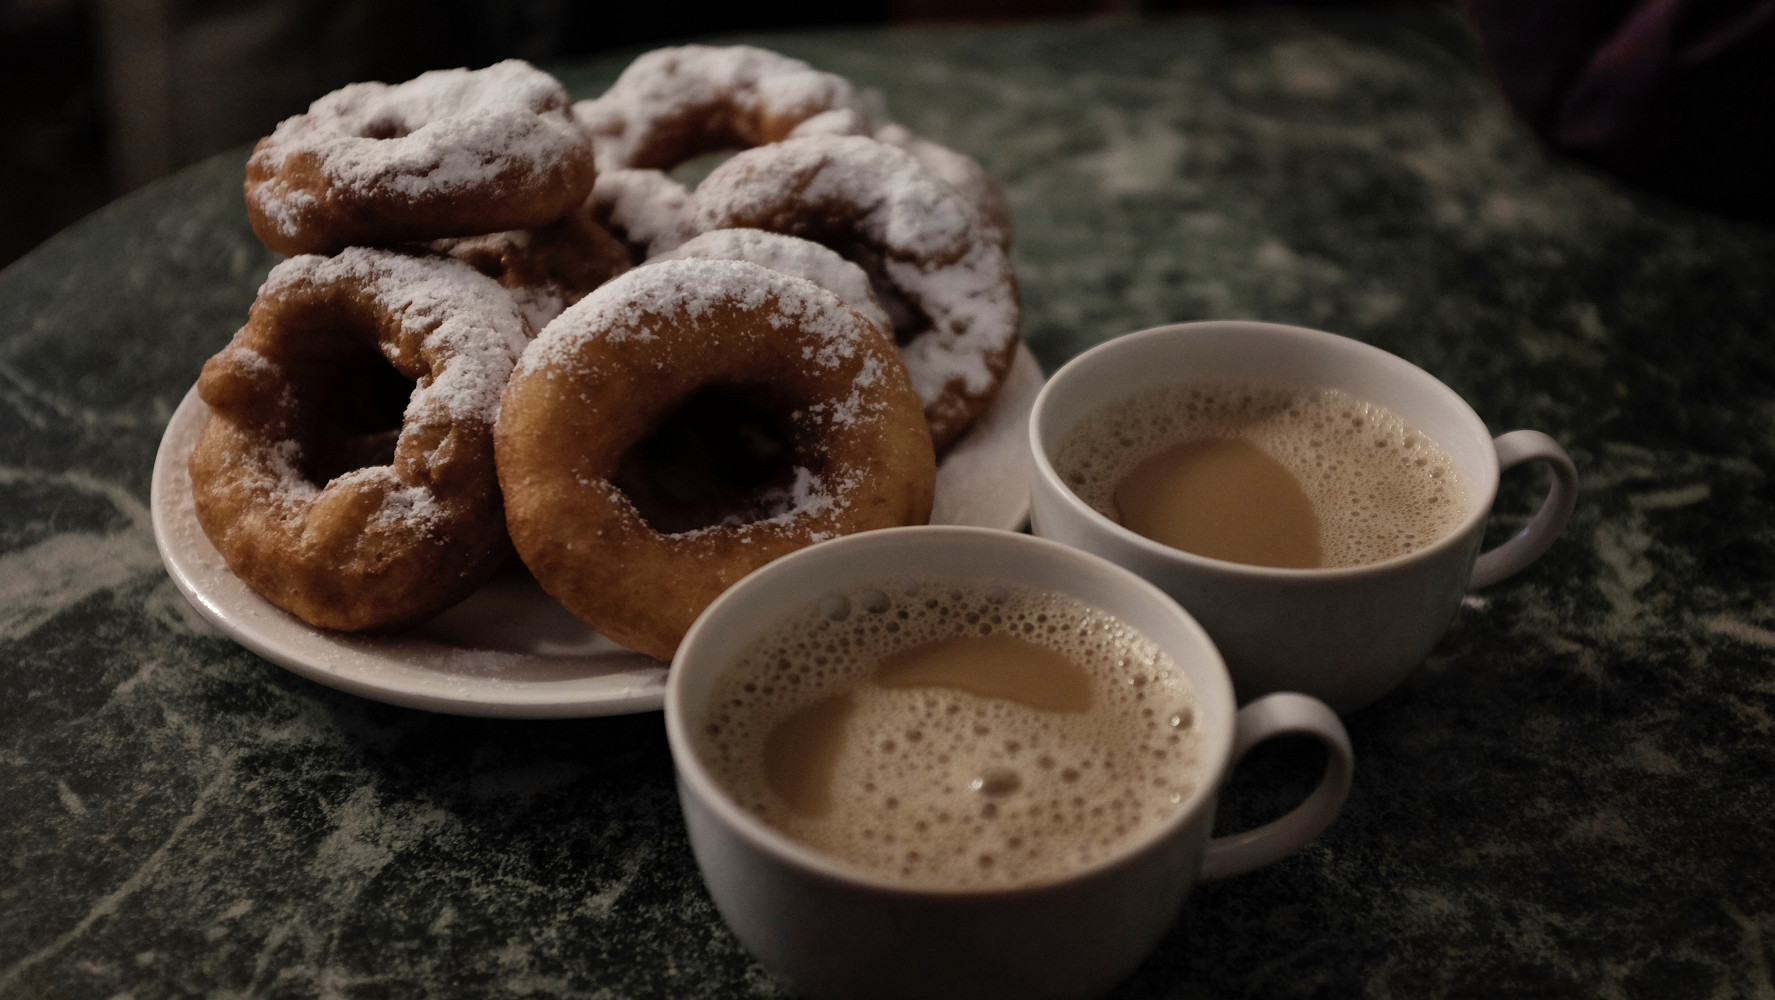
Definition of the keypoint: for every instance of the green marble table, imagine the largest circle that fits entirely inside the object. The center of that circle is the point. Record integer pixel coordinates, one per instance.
(1572, 797)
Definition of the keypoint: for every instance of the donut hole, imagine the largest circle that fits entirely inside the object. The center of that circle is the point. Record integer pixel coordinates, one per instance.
(691, 172)
(386, 127)
(725, 455)
(352, 410)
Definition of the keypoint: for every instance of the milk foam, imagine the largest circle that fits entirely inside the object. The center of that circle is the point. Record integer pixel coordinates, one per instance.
(1379, 487)
(938, 788)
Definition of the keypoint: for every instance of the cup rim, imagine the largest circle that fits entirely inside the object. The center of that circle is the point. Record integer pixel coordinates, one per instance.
(1216, 749)
(1484, 495)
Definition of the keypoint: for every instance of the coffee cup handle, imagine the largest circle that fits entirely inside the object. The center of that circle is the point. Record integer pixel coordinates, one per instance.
(1281, 714)
(1527, 545)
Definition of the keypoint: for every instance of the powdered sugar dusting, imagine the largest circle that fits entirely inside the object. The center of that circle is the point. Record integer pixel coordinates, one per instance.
(249, 360)
(538, 303)
(663, 89)
(976, 319)
(838, 121)
(289, 485)
(896, 202)
(854, 406)
(443, 131)
(465, 327)
(791, 255)
(414, 507)
(645, 208)
(695, 288)
(933, 249)
(458, 316)
(285, 206)
(960, 172)
(808, 497)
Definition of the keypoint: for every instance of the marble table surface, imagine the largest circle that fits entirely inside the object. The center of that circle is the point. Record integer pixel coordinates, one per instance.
(1572, 797)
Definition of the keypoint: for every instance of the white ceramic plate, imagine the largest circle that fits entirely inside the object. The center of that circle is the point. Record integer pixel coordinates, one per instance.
(510, 650)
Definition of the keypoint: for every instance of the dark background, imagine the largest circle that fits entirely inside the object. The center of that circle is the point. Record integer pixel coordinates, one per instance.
(99, 97)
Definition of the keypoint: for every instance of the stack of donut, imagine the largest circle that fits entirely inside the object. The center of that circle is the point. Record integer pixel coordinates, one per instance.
(504, 323)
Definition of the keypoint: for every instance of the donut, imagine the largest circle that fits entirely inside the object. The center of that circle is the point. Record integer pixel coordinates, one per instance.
(674, 104)
(545, 269)
(646, 209)
(791, 255)
(346, 469)
(612, 369)
(877, 203)
(963, 173)
(449, 153)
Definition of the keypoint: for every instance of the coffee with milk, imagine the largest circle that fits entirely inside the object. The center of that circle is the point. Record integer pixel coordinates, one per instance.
(1267, 474)
(954, 734)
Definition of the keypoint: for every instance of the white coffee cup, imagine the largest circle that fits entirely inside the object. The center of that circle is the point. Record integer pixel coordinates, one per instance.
(835, 931)
(1345, 635)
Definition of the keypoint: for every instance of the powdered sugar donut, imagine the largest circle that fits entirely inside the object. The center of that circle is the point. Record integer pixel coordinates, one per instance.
(648, 210)
(791, 255)
(611, 369)
(448, 153)
(548, 268)
(961, 172)
(673, 104)
(872, 200)
(346, 470)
